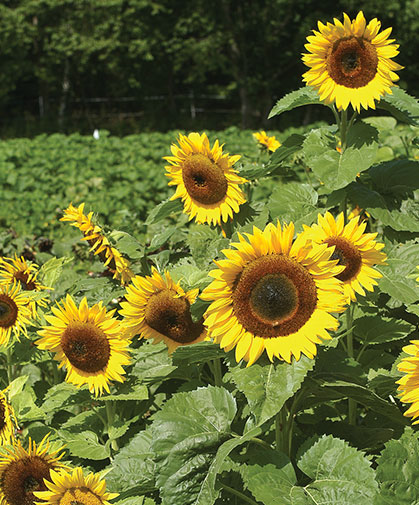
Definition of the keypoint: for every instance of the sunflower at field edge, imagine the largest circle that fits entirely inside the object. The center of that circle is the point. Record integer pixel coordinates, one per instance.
(158, 308)
(15, 312)
(266, 142)
(87, 342)
(22, 472)
(8, 422)
(99, 243)
(205, 179)
(350, 62)
(357, 251)
(73, 487)
(408, 384)
(273, 293)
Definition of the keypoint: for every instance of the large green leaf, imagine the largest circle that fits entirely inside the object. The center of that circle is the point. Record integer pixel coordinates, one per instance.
(395, 177)
(402, 106)
(378, 329)
(267, 386)
(164, 210)
(298, 98)
(290, 146)
(85, 445)
(152, 363)
(197, 353)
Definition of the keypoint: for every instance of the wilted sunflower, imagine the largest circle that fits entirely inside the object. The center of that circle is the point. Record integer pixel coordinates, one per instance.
(15, 313)
(8, 422)
(350, 63)
(273, 294)
(408, 384)
(23, 471)
(205, 179)
(93, 234)
(357, 251)
(73, 488)
(87, 342)
(158, 308)
(266, 142)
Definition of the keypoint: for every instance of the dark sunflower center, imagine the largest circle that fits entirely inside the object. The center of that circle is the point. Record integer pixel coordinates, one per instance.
(8, 311)
(24, 281)
(171, 316)
(274, 296)
(352, 62)
(348, 255)
(86, 346)
(204, 180)
(22, 477)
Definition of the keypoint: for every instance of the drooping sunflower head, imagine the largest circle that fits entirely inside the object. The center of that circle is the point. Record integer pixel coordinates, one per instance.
(99, 243)
(205, 179)
(73, 488)
(357, 251)
(87, 342)
(408, 384)
(8, 422)
(273, 293)
(22, 472)
(350, 62)
(156, 307)
(15, 312)
(266, 142)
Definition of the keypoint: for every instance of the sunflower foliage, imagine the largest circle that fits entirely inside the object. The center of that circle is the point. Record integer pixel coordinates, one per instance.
(248, 336)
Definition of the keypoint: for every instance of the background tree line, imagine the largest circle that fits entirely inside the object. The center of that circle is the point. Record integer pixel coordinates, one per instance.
(130, 65)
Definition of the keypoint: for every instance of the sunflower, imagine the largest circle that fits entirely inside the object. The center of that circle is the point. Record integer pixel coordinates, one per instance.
(20, 271)
(22, 472)
(15, 313)
(408, 384)
(266, 142)
(8, 421)
(205, 179)
(93, 234)
(70, 488)
(158, 308)
(273, 293)
(350, 63)
(354, 249)
(87, 342)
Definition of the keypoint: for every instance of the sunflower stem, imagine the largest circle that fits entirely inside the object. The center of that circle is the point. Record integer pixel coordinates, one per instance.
(10, 374)
(350, 349)
(110, 417)
(281, 431)
(239, 494)
(218, 375)
(343, 129)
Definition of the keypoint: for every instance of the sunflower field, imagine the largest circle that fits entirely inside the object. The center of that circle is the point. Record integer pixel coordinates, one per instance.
(220, 317)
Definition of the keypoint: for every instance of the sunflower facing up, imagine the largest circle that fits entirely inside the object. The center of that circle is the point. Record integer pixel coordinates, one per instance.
(158, 308)
(205, 179)
(266, 142)
(350, 62)
(8, 422)
(22, 472)
(357, 251)
(87, 342)
(15, 312)
(408, 384)
(273, 293)
(69, 488)
(93, 234)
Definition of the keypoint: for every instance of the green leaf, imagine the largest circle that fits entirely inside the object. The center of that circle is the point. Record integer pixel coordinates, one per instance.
(16, 386)
(290, 146)
(397, 471)
(402, 106)
(25, 407)
(205, 244)
(50, 272)
(267, 386)
(62, 395)
(340, 474)
(126, 244)
(200, 352)
(303, 96)
(152, 363)
(396, 176)
(378, 329)
(187, 433)
(85, 445)
(164, 210)
(130, 390)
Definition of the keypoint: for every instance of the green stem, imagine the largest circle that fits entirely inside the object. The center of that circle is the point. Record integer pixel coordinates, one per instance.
(10, 375)
(240, 495)
(343, 129)
(218, 375)
(110, 417)
(350, 350)
(335, 113)
(260, 442)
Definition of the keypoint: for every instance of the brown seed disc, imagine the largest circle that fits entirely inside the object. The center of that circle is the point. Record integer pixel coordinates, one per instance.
(23, 278)
(8, 311)
(86, 346)
(352, 62)
(171, 316)
(348, 255)
(23, 476)
(274, 296)
(204, 181)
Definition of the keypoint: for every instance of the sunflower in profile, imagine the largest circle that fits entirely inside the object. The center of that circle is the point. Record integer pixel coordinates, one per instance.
(273, 293)
(158, 308)
(22, 472)
(70, 488)
(93, 234)
(15, 313)
(357, 251)
(87, 342)
(408, 384)
(205, 179)
(25, 273)
(8, 422)
(350, 62)
(266, 142)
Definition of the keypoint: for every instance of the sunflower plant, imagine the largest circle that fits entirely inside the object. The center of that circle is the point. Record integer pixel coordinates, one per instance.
(252, 339)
